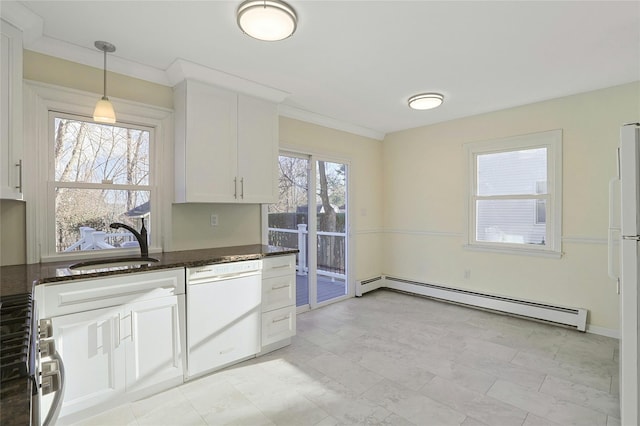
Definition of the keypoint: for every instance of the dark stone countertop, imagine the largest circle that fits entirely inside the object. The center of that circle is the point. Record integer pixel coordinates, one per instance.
(15, 402)
(22, 278)
(15, 398)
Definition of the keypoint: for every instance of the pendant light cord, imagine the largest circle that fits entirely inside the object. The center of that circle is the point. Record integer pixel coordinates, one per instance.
(104, 96)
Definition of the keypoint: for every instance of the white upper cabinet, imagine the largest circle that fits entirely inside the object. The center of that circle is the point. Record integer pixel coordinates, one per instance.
(10, 112)
(226, 146)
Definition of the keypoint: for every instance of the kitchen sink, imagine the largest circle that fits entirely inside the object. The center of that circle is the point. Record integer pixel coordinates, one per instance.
(113, 264)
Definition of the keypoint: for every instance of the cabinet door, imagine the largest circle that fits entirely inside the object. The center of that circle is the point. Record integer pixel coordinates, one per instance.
(278, 325)
(209, 142)
(89, 344)
(153, 341)
(10, 112)
(257, 150)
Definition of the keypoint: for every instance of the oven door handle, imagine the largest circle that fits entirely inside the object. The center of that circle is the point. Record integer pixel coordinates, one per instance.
(56, 405)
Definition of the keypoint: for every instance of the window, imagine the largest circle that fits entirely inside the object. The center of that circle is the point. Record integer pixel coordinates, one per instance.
(514, 193)
(87, 175)
(101, 175)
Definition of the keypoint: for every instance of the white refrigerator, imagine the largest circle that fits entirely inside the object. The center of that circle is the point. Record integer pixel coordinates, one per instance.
(624, 236)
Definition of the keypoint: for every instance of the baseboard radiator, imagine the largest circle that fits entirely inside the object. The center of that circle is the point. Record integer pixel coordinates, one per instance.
(571, 317)
(367, 285)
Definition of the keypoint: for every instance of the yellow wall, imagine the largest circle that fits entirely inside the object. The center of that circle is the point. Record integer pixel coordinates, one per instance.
(424, 212)
(12, 232)
(416, 195)
(365, 158)
(60, 72)
(238, 224)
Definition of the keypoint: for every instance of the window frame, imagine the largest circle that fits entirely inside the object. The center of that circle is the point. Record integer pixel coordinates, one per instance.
(40, 100)
(52, 183)
(552, 141)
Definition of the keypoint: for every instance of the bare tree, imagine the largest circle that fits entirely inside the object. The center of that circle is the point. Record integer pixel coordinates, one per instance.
(328, 218)
(100, 155)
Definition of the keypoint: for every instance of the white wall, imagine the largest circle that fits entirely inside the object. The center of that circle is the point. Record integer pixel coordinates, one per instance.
(424, 215)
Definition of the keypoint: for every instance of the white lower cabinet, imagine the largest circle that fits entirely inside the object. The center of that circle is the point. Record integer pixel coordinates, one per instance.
(278, 301)
(131, 348)
(94, 365)
(278, 325)
(153, 347)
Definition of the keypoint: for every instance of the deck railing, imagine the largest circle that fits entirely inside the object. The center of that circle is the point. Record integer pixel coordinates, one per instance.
(332, 266)
(90, 239)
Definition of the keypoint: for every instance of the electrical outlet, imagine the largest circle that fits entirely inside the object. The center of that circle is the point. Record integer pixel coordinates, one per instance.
(214, 220)
(467, 274)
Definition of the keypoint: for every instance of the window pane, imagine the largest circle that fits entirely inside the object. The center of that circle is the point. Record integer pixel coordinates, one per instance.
(98, 153)
(83, 217)
(512, 172)
(509, 221)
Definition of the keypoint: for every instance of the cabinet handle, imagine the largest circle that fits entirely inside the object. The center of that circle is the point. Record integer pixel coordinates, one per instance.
(286, 317)
(280, 286)
(281, 266)
(235, 187)
(19, 166)
(132, 321)
(117, 330)
(242, 188)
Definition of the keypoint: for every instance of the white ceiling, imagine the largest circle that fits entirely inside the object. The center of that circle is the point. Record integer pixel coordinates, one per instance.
(355, 63)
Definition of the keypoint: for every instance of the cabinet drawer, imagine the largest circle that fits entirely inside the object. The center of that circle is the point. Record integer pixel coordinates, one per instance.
(278, 325)
(81, 295)
(278, 266)
(278, 292)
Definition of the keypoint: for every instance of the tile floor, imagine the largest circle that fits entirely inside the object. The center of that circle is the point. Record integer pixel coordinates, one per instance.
(394, 359)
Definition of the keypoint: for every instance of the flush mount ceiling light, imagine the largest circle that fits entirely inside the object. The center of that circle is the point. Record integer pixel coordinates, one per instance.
(426, 101)
(268, 20)
(104, 113)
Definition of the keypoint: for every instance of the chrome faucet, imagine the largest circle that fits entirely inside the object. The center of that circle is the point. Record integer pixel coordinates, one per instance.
(140, 236)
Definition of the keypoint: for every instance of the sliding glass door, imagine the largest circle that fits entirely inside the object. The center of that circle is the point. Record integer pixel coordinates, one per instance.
(312, 207)
(331, 191)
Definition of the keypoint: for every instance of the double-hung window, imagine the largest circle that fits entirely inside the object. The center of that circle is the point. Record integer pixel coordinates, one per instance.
(100, 175)
(88, 175)
(515, 193)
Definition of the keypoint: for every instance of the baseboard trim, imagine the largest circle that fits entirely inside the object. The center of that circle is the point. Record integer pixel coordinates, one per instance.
(602, 331)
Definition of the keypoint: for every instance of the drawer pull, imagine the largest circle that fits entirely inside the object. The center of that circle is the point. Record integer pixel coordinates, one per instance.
(280, 286)
(281, 266)
(284, 318)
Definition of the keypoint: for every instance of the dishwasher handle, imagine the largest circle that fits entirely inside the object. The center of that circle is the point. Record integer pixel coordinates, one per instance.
(203, 278)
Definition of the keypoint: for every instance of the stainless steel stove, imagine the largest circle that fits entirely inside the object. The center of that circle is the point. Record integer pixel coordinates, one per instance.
(28, 356)
(18, 334)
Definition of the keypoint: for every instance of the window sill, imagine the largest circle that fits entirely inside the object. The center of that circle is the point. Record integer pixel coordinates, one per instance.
(515, 250)
(97, 254)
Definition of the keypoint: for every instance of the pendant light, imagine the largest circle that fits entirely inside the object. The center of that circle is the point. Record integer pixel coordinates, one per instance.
(104, 113)
(268, 20)
(426, 101)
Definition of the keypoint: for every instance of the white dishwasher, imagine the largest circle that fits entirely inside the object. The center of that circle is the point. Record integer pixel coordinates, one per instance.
(223, 314)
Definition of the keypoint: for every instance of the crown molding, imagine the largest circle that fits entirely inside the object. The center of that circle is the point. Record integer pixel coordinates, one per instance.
(94, 58)
(22, 18)
(181, 70)
(32, 26)
(332, 123)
